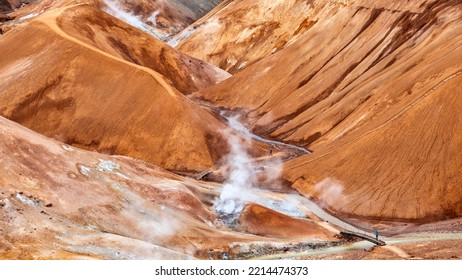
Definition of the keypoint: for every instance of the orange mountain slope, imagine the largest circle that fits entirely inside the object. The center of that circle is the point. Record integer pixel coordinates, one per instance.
(407, 168)
(98, 29)
(350, 89)
(160, 18)
(70, 90)
(225, 35)
(56, 200)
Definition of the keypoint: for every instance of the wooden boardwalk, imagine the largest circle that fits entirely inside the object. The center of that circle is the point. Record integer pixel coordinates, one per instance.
(363, 236)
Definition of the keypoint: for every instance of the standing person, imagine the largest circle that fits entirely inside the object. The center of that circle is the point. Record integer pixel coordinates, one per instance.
(376, 233)
(270, 152)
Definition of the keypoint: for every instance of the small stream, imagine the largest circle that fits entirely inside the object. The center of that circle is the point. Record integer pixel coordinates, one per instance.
(237, 126)
(294, 205)
(289, 204)
(298, 206)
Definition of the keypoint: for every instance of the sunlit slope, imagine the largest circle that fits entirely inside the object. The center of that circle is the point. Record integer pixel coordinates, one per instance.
(98, 29)
(259, 220)
(225, 35)
(409, 168)
(160, 18)
(373, 90)
(60, 202)
(69, 90)
(238, 33)
(345, 68)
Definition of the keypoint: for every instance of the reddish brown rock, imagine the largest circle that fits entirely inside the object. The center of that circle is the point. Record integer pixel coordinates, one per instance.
(259, 220)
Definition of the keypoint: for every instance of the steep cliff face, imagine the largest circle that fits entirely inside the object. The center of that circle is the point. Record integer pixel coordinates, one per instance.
(5, 6)
(10, 5)
(353, 83)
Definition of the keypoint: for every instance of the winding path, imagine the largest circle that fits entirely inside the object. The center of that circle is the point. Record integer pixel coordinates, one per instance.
(365, 245)
(50, 19)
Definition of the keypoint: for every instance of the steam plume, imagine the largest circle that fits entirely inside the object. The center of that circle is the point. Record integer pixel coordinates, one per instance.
(330, 191)
(239, 188)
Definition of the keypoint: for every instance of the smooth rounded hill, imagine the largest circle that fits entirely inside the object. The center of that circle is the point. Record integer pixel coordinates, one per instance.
(259, 220)
(91, 26)
(371, 89)
(56, 200)
(70, 90)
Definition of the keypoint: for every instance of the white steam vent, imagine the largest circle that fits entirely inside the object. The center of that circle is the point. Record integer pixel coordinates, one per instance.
(239, 188)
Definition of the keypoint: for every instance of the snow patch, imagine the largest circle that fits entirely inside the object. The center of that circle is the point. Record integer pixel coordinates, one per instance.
(106, 166)
(67, 148)
(115, 9)
(173, 42)
(27, 200)
(84, 170)
(153, 18)
(32, 15)
(231, 61)
(350, 127)
(123, 176)
(266, 70)
(242, 65)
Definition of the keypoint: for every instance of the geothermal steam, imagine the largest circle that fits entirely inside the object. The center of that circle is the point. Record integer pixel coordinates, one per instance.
(239, 188)
(240, 178)
(330, 191)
